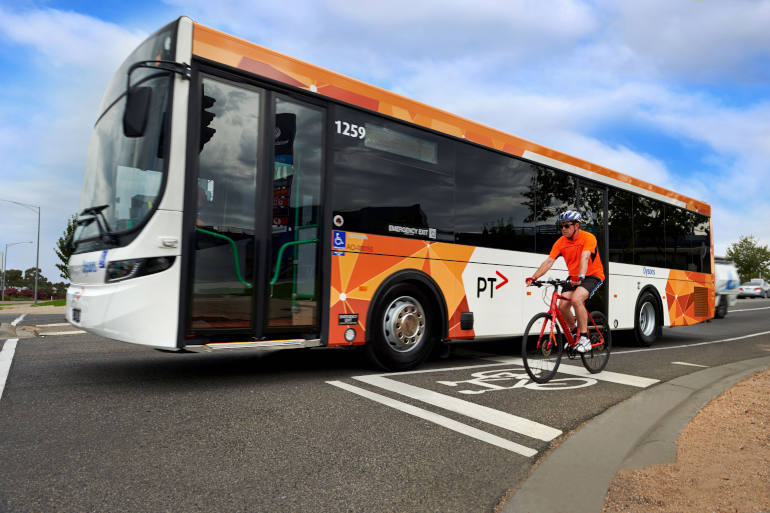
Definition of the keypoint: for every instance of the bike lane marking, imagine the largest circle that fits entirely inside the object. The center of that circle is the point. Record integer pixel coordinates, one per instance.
(497, 418)
(574, 370)
(485, 414)
(446, 422)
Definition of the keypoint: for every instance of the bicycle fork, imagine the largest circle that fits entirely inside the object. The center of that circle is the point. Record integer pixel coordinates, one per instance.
(551, 335)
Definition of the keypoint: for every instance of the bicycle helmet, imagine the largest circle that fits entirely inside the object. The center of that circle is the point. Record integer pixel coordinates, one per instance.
(570, 215)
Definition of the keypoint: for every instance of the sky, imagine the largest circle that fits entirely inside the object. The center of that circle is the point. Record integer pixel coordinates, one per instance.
(676, 93)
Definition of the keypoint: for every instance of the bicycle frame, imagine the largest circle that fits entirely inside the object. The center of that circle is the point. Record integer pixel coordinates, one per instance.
(553, 310)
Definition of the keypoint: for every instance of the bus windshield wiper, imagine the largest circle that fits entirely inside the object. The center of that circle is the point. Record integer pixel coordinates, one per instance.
(97, 213)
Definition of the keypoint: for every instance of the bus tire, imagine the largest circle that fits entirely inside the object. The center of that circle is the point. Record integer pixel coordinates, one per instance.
(721, 309)
(646, 319)
(402, 329)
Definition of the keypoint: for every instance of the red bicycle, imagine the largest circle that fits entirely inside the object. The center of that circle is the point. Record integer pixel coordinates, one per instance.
(547, 336)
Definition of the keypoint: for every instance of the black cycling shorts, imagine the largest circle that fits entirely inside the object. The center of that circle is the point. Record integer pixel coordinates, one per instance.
(590, 283)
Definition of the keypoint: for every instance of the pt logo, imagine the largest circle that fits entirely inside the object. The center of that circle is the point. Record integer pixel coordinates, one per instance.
(484, 284)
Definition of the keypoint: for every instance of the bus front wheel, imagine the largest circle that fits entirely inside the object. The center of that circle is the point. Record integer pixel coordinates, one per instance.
(646, 320)
(402, 336)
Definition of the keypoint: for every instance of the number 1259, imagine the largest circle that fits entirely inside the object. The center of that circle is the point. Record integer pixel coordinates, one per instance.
(350, 130)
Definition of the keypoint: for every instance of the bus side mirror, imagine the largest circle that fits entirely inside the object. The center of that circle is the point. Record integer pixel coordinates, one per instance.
(137, 111)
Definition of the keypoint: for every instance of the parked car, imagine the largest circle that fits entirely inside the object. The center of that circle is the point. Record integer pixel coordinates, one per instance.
(726, 284)
(757, 287)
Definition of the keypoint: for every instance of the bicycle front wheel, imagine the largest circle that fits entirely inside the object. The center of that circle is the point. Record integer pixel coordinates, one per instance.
(596, 359)
(541, 347)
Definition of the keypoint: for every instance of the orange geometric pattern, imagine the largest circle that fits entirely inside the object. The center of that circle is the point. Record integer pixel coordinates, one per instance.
(368, 260)
(681, 297)
(238, 53)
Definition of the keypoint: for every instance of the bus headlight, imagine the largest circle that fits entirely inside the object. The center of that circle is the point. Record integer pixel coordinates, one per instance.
(120, 270)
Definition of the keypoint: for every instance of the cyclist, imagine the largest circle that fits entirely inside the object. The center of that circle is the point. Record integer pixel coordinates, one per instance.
(581, 255)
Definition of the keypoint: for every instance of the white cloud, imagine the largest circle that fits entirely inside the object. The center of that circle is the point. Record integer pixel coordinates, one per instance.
(64, 39)
(44, 136)
(725, 41)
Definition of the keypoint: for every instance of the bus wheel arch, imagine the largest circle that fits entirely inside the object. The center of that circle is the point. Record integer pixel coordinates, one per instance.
(413, 296)
(648, 316)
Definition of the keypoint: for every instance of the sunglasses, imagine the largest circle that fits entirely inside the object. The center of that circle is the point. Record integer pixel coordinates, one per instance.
(566, 225)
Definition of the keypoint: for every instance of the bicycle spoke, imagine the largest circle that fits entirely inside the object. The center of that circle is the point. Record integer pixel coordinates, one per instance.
(541, 348)
(596, 359)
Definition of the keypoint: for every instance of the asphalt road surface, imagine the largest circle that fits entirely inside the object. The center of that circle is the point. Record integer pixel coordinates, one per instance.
(87, 424)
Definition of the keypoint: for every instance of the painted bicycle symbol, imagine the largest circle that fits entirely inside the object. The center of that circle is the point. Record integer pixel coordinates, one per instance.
(508, 379)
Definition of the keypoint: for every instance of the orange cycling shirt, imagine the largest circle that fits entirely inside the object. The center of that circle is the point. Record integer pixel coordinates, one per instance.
(571, 249)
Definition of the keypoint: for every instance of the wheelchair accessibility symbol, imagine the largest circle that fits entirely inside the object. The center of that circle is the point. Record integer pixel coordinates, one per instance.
(338, 239)
(507, 379)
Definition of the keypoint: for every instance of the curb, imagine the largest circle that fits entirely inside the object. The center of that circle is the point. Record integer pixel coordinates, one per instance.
(635, 433)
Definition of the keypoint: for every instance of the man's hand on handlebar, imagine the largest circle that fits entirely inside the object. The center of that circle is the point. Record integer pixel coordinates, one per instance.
(529, 281)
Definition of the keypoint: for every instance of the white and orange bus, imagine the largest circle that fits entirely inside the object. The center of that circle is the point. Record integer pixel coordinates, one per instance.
(237, 197)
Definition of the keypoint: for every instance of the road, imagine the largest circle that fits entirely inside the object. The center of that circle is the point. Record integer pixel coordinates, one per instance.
(87, 424)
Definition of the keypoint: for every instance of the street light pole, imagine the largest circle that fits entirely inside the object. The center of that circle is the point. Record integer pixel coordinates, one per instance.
(5, 258)
(37, 251)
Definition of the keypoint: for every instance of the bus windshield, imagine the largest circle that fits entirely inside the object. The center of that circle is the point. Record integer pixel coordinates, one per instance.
(126, 173)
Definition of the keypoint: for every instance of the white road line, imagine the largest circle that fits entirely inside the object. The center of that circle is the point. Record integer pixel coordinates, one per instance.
(54, 324)
(18, 319)
(690, 364)
(690, 345)
(476, 411)
(575, 370)
(439, 419)
(749, 309)
(6, 357)
(72, 332)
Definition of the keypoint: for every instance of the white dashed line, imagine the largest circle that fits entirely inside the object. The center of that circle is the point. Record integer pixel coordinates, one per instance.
(439, 419)
(6, 357)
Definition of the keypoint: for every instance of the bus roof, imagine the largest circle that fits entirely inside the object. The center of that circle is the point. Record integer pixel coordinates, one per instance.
(238, 53)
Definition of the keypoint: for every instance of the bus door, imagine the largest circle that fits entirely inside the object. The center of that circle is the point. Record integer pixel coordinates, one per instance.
(294, 279)
(225, 238)
(592, 204)
(256, 252)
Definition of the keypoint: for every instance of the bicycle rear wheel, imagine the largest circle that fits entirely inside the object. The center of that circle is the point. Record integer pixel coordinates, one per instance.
(596, 359)
(541, 347)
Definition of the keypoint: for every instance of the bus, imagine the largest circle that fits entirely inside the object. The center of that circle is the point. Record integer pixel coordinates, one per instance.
(235, 197)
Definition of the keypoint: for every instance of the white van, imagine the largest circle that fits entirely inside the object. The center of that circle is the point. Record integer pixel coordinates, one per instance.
(726, 284)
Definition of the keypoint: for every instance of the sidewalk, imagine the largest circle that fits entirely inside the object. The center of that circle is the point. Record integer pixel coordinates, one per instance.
(16, 309)
(19, 307)
(636, 433)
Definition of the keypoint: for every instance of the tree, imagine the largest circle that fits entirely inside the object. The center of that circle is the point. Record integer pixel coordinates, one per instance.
(60, 288)
(751, 259)
(29, 279)
(14, 278)
(63, 249)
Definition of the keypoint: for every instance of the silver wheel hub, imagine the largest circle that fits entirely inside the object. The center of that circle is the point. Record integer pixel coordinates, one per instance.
(404, 324)
(647, 319)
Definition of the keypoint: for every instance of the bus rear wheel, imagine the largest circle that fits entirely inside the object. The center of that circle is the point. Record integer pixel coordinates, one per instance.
(646, 322)
(401, 329)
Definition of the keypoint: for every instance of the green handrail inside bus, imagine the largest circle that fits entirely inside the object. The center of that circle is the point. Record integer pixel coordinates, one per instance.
(235, 253)
(280, 256)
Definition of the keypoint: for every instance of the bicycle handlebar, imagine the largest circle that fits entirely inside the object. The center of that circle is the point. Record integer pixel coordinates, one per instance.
(558, 283)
